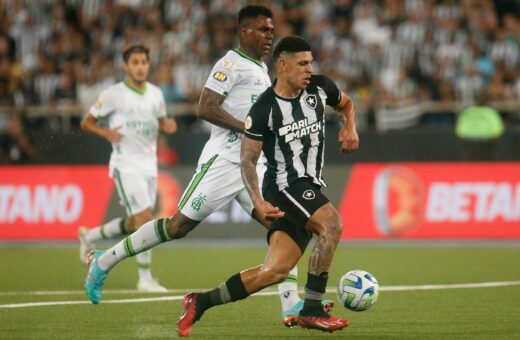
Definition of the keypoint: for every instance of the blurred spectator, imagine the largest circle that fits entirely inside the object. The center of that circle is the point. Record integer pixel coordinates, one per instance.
(65, 93)
(95, 76)
(164, 78)
(428, 50)
(497, 89)
(16, 147)
(468, 85)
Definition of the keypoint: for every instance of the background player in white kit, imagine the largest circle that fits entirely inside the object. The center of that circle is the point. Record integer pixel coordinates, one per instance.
(234, 84)
(136, 111)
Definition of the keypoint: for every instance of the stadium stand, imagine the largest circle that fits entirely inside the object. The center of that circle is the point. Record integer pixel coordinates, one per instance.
(403, 62)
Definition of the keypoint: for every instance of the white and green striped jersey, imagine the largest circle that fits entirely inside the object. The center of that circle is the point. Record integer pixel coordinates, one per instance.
(241, 79)
(137, 114)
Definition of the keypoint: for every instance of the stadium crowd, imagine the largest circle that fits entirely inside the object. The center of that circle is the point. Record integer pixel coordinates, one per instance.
(61, 52)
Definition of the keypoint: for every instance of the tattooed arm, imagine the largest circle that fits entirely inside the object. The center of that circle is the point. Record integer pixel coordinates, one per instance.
(249, 154)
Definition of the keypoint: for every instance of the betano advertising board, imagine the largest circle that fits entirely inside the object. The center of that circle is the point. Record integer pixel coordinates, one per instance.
(432, 200)
(375, 200)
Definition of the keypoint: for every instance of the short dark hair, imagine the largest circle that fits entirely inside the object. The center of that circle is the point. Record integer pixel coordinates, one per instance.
(291, 44)
(253, 11)
(136, 49)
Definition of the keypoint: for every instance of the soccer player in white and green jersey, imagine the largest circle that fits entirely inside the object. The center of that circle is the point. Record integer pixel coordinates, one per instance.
(233, 85)
(136, 112)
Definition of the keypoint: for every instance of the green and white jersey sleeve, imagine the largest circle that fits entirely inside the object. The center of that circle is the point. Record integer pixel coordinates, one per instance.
(136, 114)
(241, 79)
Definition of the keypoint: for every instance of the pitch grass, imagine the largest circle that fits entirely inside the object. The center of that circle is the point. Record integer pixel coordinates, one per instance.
(475, 313)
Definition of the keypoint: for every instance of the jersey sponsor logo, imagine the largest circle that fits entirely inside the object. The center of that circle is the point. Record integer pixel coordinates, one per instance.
(143, 127)
(227, 63)
(299, 129)
(309, 195)
(249, 122)
(311, 101)
(220, 76)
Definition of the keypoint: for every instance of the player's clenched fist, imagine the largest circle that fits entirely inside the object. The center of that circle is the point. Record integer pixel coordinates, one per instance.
(348, 139)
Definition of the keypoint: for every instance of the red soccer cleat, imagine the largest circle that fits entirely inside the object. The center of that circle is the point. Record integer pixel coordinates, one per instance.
(326, 324)
(290, 317)
(187, 319)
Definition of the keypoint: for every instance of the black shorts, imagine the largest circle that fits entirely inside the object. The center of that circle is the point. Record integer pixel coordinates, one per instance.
(299, 201)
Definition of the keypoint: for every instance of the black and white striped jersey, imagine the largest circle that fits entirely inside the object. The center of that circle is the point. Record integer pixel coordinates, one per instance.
(293, 131)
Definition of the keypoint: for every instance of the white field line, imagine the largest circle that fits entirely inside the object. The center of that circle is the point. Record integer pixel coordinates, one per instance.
(263, 293)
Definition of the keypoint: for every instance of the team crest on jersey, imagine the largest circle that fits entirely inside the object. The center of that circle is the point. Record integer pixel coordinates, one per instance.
(198, 201)
(227, 63)
(220, 76)
(98, 105)
(311, 101)
(309, 195)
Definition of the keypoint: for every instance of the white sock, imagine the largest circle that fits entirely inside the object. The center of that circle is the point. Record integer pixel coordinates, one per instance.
(144, 261)
(288, 290)
(111, 229)
(146, 237)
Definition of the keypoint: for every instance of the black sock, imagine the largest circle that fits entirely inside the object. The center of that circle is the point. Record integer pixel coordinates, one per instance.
(314, 290)
(231, 290)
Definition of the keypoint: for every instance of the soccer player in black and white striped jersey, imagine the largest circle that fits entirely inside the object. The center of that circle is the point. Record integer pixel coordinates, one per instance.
(287, 124)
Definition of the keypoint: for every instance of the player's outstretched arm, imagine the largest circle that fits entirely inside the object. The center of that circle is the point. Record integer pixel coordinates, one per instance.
(348, 137)
(249, 154)
(210, 109)
(89, 124)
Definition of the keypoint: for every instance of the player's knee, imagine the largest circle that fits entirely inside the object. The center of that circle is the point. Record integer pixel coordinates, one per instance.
(178, 227)
(331, 225)
(177, 231)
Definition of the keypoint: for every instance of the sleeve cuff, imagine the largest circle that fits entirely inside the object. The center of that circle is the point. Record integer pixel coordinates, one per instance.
(253, 136)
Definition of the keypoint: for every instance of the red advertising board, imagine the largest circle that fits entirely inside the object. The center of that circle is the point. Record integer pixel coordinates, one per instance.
(50, 202)
(432, 201)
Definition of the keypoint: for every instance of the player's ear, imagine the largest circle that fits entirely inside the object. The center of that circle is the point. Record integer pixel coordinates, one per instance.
(283, 64)
(245, 29)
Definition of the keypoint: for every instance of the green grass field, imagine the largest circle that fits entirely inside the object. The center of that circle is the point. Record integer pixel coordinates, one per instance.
(29, 275)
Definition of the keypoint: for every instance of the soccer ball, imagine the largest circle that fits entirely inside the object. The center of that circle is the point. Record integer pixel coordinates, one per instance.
(358, 290)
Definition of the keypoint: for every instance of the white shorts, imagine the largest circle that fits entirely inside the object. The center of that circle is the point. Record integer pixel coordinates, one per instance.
(136, 192)
(216, 183)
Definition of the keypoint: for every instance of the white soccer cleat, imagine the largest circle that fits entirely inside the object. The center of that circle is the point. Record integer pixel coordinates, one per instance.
(84, 245)
(150, 286)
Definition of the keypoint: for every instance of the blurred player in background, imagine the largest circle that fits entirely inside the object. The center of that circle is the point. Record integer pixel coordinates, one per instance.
(136, 112)
(287, 123)
(234, 84)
